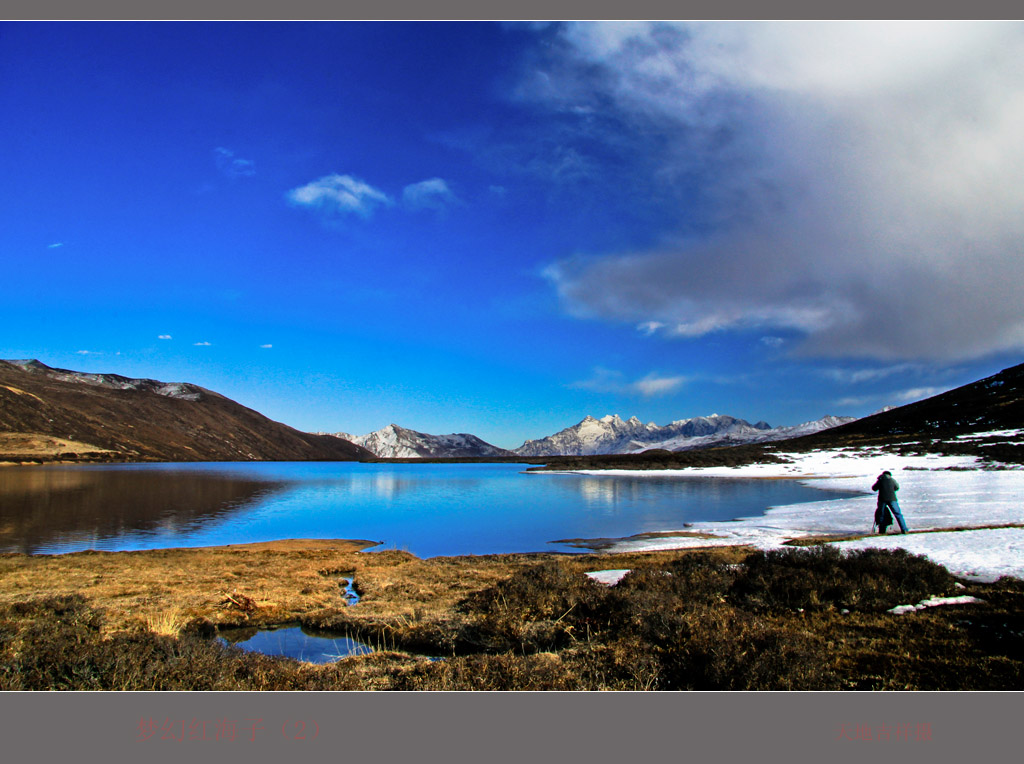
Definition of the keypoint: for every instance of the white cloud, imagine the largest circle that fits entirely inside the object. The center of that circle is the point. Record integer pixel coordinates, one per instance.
(202, 344)
(610, 381)
(855, 400)
(773, 342)
(650, 327)
(164, 337)
(55, 245)
(339, 194)
(858, 181)
(232, 166)
(653, 385)
(88, 352)
(266, 347)
(857, 376)
(917, 393)
(432, 194)
(899, 397)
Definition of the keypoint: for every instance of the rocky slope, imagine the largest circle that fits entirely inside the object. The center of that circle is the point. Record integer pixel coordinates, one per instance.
(49, 414)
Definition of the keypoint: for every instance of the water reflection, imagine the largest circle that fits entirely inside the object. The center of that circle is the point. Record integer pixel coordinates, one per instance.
(428, 509)
(52, 508)
(296, 642)
(610, 493)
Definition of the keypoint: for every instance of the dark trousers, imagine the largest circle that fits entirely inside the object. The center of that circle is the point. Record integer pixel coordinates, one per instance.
(894, 507)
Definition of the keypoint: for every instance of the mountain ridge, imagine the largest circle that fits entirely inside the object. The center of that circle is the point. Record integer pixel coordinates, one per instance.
(613, 435)
(51, 414)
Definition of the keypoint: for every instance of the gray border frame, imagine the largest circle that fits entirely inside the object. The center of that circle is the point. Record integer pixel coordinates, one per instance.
(509, 727)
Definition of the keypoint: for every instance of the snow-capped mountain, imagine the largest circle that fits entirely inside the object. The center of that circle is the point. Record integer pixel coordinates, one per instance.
(744, 433)
(394, 442)
(608, 435)
(613, 435)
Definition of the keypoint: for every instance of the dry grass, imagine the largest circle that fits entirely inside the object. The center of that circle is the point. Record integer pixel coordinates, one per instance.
(132, 589)
(30, 447)
(722, 618)
(168, 624)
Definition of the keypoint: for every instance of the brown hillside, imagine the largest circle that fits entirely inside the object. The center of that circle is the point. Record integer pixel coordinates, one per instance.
(51, 414)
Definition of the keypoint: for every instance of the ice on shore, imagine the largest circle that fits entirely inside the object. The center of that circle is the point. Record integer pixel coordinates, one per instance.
(933, 602)
(937, 493)
(609, 577)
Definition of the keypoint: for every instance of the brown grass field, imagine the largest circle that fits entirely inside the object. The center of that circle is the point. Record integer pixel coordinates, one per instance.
(719, 619)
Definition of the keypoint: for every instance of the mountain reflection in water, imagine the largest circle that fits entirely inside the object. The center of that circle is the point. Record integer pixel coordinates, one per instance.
(427, 509)
(45, 509)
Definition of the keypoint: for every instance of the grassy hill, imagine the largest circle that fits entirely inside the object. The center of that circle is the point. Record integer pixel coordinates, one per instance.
(51, 414)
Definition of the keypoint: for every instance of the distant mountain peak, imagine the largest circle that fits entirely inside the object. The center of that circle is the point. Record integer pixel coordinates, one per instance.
(611, 435)
(397, 442)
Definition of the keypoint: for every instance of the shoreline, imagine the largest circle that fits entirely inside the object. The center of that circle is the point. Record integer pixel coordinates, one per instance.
(941, 495)
(672, 620)
(962, 513)
(268, 583)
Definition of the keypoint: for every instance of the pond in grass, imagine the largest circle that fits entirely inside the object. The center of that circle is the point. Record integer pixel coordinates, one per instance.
(294, 641)
(427, 509)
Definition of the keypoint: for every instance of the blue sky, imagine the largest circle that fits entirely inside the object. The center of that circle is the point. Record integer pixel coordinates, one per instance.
(499, 229)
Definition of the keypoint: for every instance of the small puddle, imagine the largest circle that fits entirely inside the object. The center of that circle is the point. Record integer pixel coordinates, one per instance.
(294, 641)
(349, 593)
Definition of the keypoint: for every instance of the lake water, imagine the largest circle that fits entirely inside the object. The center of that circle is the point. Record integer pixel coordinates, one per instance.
(427, 509)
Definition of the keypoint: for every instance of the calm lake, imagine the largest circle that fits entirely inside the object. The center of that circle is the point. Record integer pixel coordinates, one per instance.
(427, 509)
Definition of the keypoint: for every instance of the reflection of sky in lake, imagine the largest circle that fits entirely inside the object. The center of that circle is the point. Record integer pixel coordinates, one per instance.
(296, 642)
(428, 509)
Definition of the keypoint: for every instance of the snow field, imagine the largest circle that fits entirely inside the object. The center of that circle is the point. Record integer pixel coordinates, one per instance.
(932, 496)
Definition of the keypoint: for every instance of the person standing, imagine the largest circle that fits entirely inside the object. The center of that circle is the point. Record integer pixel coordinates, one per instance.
(887, 487)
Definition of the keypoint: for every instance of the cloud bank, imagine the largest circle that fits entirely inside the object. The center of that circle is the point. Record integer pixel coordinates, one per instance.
(856, 183)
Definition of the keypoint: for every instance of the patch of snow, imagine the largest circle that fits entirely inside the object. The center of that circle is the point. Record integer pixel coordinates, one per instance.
(609, 577)
(179, 390)
(933, 602)
(980, 555)
(932, 496)
(991, 434)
